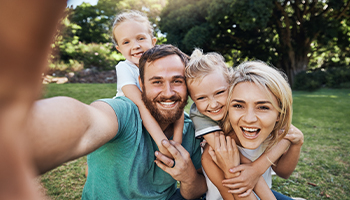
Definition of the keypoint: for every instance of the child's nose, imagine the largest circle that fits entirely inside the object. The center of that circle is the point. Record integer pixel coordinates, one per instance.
(213, 103)
(136, 45)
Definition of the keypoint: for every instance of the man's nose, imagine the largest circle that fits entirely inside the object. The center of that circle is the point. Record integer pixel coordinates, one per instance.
(168, 90)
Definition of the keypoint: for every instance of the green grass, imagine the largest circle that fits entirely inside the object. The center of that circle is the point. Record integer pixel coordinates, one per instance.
(323, 169)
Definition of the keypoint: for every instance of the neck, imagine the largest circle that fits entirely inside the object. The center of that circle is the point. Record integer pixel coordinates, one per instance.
(168, 129)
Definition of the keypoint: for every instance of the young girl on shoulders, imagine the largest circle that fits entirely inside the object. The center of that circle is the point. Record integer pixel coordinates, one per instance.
(259, 106)
(208, 80)
(133, 35)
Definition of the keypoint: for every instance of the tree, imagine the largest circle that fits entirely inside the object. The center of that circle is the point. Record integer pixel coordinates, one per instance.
(282, 32)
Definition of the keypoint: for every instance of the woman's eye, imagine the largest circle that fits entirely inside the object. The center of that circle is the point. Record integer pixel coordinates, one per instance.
(237, 106)
(264, 108)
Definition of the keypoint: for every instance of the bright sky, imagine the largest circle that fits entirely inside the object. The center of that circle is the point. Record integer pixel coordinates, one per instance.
(75, 3)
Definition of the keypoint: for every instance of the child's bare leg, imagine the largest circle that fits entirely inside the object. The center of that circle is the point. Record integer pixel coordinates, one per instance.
(178, 129)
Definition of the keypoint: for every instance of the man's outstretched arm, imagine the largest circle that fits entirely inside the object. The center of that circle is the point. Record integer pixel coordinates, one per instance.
(61, 129)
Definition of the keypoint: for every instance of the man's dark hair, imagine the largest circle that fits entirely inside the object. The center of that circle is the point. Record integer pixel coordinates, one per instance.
(157, 52)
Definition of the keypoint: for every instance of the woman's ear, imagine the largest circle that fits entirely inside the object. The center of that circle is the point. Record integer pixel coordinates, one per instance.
(278, 117)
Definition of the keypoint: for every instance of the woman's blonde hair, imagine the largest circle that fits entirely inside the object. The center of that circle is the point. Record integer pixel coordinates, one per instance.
(201, 64)
(270, 79)
(131, 15)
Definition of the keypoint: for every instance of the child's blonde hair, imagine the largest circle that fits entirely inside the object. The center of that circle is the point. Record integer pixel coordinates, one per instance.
(201, 65)
(131, 15)
(270, 79)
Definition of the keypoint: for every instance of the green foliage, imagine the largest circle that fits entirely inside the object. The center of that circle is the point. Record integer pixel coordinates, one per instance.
(336, 77)
(287, 34)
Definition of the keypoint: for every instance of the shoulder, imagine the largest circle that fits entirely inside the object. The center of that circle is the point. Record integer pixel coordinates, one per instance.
(123, 107)
(121, 65)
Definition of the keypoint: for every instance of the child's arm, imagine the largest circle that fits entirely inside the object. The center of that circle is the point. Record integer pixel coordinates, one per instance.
(250, 172)
(289, 160)
(134, 94)
(226, 155)
(178, 129)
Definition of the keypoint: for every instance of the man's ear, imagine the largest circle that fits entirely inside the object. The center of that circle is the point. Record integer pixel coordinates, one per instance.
(154, 41)
(141, 85)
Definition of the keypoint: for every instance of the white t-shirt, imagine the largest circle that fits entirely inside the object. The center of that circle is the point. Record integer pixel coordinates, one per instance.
(127, 74)
(251, 154)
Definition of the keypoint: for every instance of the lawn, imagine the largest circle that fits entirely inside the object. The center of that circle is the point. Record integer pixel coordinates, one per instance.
(323, 168)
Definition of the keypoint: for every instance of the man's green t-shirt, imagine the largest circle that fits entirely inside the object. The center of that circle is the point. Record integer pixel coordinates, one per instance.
(124, 167)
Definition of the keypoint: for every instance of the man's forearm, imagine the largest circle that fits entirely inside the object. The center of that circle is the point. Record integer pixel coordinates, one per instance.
(194, 189)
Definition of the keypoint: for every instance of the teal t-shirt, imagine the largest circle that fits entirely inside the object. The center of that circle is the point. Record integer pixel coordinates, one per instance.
(124, 167)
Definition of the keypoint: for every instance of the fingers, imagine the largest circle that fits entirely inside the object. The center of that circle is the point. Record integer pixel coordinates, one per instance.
(212, 154)
(246, 193)
(240, 191)
(164, 159)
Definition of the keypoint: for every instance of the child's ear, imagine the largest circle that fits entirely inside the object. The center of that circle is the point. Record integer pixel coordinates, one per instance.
(154, 41)
(141, 85)
(117, 47)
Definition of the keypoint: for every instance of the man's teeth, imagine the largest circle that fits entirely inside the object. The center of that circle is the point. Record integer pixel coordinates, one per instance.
(250, 129)
(167, 103)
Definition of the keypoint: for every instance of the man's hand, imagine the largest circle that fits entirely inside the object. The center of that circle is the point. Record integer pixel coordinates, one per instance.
(181, 167)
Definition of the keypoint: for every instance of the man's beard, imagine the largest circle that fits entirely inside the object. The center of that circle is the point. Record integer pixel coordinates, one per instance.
(166, 117)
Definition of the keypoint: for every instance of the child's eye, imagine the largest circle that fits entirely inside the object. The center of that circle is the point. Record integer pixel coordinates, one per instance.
(200, 98)
(142, 38)
(221, 92)
(126, 42)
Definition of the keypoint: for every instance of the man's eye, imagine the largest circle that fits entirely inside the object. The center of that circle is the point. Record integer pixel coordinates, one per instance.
(178, 81)
(156, 82)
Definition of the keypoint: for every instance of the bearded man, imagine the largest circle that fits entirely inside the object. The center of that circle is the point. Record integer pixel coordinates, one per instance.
(124, 161)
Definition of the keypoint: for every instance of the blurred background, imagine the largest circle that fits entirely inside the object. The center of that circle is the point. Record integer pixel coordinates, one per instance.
(307, 39)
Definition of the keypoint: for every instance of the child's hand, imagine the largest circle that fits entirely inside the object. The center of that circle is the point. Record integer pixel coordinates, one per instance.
(295, 136)
(245, 182)
(226, 154)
